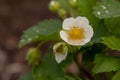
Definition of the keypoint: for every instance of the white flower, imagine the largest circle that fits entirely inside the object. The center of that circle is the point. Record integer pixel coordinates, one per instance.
(61, 51)
(76, 31)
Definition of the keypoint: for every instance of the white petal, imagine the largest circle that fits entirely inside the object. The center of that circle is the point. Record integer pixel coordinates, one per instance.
(76, 43)
(81, 21)
(68, 23)
(64, 35)
(88, 33)
(59, 57)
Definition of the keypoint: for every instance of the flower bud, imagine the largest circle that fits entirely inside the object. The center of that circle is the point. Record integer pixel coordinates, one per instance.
(61, 50)
(73, 3)
(54, 6)
(33, 56)
(62, 13)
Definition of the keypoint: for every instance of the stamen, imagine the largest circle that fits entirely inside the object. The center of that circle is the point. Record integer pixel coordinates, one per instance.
(76, 33)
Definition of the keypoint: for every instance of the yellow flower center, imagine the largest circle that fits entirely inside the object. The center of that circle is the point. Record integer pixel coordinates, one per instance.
(76, 33)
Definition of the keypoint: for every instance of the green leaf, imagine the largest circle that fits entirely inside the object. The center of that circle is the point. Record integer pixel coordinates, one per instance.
(49, 69)
(113, 25)
(106, 64)
(69, 78)
(107, 8)
(89, 52)
(46, 30)
(26, 77)
(116, 76)
(112, 42)
(85, 8)
(72, 77)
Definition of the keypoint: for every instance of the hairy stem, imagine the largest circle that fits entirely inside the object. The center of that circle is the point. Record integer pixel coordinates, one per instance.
(83, 69)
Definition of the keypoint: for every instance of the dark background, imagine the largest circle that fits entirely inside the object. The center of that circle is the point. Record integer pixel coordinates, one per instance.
(15, 17)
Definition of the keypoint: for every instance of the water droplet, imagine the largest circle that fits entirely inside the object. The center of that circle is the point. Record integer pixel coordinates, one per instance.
(37, 31)
(103, 7)
(106, 11)
(22, 40)
(114, 68)
(29, 39)
(98, 12)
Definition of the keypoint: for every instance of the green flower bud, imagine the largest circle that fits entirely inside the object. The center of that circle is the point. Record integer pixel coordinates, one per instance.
(54, 6)
(73, 3)
(62, 13)
(33, 56)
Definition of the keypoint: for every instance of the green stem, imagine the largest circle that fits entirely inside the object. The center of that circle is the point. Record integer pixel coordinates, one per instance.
(40, 44)
(80, 70)
(84, 72)
(73, 12)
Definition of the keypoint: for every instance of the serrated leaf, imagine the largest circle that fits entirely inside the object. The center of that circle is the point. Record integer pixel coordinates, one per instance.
(85, 8)
(107, 8)
(26, 77)
(49, 69)
(46, 30)
(112, 42)
(113, 25)
(89, 52)
(106, 64)
(116, 76)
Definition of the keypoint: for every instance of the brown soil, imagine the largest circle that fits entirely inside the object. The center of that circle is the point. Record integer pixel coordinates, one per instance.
(15, 17)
